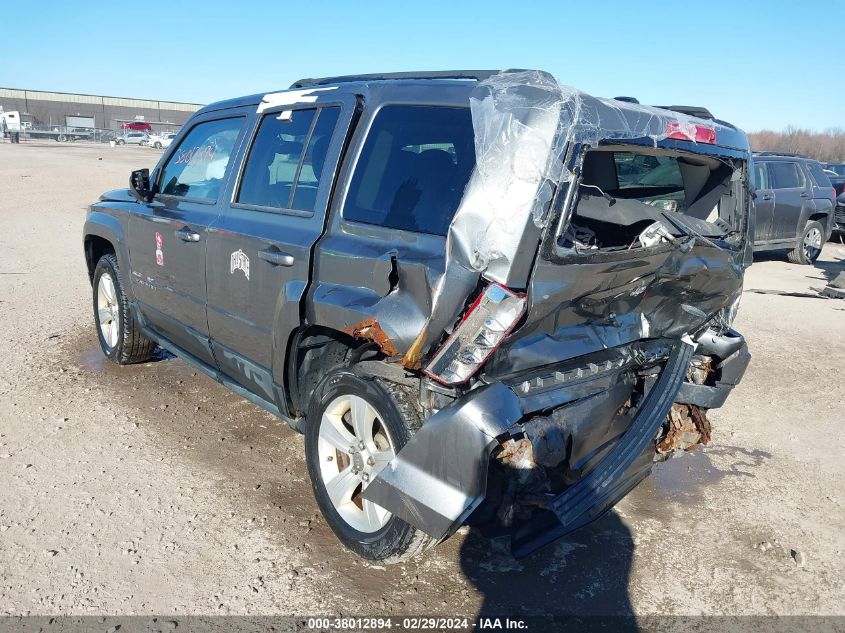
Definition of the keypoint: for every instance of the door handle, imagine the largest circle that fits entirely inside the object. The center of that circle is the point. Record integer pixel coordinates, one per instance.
(767, 198)
(276, 257)
(187, 235)
(805, 195)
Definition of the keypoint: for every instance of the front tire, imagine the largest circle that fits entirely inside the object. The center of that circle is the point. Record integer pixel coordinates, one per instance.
(809, 245)
(354, 426)
(117, 330)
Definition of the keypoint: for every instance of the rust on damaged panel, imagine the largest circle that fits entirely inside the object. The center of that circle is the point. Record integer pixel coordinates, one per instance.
(688, 427)
(371, 330)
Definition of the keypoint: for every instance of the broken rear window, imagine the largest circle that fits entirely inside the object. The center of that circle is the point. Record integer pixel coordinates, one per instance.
(413, 168)
(635, 199)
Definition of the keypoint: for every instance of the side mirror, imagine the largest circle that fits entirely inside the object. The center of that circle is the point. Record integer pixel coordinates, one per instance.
(139, 184)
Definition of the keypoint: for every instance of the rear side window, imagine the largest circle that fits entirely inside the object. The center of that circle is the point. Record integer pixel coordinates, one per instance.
(413, 168)
(817, 172)
(195, 170)
(785, 175)
(286, 160)
(760, 176)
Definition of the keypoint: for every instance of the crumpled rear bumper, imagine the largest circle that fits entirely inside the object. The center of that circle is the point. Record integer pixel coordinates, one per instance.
(440, 477)
(734, 356)
(620, 471)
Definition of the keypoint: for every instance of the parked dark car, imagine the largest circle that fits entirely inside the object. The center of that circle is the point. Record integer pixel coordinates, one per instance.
(839, 217)
(838, 168)
(837, 182)
(484, 297)
(794, 205)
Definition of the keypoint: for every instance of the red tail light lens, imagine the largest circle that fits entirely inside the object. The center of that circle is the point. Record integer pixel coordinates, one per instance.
(693, 132)
(484, 326)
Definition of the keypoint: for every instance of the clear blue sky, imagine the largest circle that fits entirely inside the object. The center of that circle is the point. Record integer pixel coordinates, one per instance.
(757, 63)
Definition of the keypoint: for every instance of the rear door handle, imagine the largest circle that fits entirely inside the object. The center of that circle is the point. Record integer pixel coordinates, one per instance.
(805, 195)
(276, 257)
(187, 235)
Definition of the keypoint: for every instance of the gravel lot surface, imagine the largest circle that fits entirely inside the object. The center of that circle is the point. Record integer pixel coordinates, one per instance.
(153, 490)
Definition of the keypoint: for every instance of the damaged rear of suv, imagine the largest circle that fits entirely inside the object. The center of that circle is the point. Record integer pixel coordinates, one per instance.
(594, 267)
(486, 298)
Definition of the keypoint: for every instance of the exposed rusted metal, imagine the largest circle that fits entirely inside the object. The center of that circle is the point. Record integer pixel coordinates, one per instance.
(688, 427)
(700, 369)
(370, 330)
(517, 454)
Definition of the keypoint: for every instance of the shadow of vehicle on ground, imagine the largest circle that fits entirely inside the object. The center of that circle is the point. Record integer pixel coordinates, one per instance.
(584, 575)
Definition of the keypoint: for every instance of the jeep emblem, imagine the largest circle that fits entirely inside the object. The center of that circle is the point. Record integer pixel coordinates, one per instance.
(239, 261)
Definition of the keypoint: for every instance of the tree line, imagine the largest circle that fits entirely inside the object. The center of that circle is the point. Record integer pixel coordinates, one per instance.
(827, 146)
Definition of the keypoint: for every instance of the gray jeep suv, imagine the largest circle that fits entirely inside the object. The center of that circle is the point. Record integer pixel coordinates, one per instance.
(486, 298)
(795, 205)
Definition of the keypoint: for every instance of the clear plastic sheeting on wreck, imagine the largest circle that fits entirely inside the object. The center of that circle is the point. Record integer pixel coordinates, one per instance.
(524, 123)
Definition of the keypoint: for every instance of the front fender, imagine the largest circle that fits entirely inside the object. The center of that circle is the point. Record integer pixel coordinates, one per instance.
(108, 227)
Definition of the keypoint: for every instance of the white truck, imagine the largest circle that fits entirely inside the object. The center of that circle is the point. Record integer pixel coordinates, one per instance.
(13, 123)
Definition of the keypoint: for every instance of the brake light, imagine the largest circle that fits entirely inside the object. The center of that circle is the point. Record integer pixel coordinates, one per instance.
(693, 132)
(484, 326)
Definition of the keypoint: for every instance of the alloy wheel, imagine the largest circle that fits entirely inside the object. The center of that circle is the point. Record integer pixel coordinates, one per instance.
(353, 446)
(108, 312)
(812, 244)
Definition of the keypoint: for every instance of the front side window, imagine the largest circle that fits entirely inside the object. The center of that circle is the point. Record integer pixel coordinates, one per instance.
(413, 168)
(286, 160)
(196, 169)
(785, 175)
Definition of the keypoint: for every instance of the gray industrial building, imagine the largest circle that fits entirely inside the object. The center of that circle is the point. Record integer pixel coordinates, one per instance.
(78, 110)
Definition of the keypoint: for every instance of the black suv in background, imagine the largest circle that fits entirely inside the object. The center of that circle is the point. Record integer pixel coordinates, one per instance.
(795, 205)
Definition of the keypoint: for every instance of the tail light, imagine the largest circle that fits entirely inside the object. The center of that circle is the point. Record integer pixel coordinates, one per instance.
(484, 326)
(694, 132)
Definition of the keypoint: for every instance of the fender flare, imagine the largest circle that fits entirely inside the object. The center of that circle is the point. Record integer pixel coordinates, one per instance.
(108, 227)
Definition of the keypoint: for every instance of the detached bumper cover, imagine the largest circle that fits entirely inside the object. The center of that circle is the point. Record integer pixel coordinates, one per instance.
(622, 469)
(732, 348)
(440, 477)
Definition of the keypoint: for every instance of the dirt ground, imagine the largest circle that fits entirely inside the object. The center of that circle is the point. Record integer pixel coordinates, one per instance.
(153, 490)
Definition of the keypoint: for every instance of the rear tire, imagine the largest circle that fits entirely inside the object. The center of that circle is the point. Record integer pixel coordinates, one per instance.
(384, 420)
(117, 330)
(809, 245)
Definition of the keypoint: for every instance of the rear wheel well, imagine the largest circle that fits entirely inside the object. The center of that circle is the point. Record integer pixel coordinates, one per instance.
(822, 218)
(95, 248)
(315, 351)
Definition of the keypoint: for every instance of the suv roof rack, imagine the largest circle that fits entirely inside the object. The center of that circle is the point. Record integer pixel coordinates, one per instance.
(696, 111)
(474, 75)
(790, 154)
